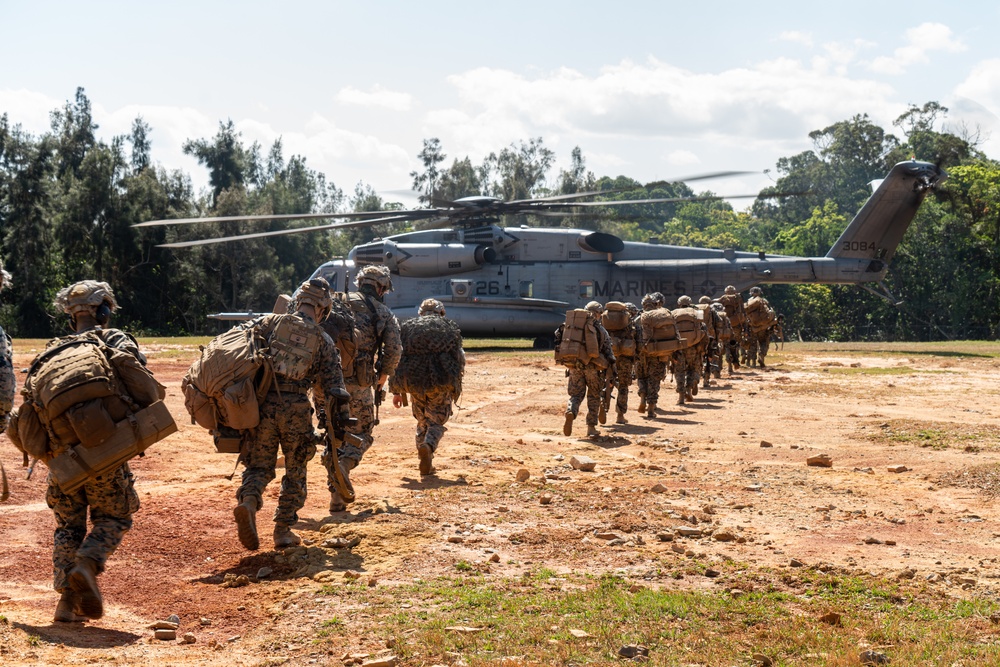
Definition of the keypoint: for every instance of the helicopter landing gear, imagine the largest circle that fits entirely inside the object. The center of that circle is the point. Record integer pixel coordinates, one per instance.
(543, 343)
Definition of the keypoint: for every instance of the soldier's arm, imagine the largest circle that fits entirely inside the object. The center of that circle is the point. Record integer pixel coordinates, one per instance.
(392, 346)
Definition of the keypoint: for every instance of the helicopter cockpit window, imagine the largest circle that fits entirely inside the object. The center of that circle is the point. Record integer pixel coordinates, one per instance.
(526, 289)
(331, 277)
(586, 289)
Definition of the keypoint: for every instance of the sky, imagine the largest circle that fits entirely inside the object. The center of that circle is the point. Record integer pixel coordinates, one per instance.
(649, 90)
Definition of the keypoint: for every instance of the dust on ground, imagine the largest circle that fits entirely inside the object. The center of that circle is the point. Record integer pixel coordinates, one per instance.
(732, 463)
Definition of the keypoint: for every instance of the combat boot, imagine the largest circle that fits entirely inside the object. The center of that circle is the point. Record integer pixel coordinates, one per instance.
(688, 397)
(694, 389)
(246, 524)
(602, 415)
(284, 537)
(337, 503)
(680, 398)
(652, 412)
(426, 459)
(621, 418)
(642, 405)
(762, 364)
(592, 431)
(68, 608)
(83, 580)
(568, 424)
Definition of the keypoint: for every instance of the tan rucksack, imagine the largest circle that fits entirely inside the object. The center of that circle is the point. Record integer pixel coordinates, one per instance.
(759, 314)
(616, 316)
(81, 390)
(690, 325)
(731, 302)
(226, 383)
(579, 339)
(659, 333)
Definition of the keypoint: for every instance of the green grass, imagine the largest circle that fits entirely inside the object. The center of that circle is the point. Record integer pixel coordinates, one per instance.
(955, 348)
(934, 434)
(531, 618)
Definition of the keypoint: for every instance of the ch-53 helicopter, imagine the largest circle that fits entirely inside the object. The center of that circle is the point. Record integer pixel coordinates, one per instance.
(520, 281)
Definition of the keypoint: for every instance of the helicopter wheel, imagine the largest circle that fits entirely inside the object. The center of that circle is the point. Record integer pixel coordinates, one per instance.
(543, 343)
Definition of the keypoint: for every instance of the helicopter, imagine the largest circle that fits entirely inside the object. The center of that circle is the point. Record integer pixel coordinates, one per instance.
(520, 281)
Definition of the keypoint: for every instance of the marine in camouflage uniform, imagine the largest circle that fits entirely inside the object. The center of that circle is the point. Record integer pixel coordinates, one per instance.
(78, 556)
(378, 351)
(587, 379)
(433, 378)
(649, 371)
(625, 364)
(727, 343)
(688, 364)
(8, 381)
(732, 302)
(759, 338)
(286, 421)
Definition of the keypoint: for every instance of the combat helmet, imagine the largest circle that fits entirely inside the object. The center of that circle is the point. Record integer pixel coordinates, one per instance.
(87, 296)
(705, 299)
(376, 275)
(595, 308)
(315, 293)
(730, 289)
(683, 301)
(5, 280)
(756, 291)
(430, 307)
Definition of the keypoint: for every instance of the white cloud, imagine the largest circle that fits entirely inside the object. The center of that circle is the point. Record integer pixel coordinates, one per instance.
(376, 97)
(681, 158)
(28, 109)
(920, 42)
(797, 37)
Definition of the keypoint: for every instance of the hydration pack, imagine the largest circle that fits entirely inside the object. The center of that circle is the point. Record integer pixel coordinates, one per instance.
(690, 325)
(760, 315)
(659, 333)
(616, 316)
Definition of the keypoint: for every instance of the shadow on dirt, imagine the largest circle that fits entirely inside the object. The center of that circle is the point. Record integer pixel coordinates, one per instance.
(79, 635)
(431, 482)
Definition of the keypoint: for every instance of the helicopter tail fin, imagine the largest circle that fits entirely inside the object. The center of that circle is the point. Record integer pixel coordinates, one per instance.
(878, 228)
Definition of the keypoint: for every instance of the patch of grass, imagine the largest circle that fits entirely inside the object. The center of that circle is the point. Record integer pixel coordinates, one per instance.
(463, 566)
(936, 435)
(484, 619)
(984, 478)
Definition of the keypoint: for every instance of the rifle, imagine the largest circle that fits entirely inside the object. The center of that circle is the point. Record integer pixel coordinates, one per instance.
(379, 397)
(5, 492)
(336, 434)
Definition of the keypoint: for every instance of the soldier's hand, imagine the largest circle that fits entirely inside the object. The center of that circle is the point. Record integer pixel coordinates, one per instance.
(397, 401)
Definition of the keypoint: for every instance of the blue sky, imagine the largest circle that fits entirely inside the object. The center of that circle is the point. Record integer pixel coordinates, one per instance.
(650, 90)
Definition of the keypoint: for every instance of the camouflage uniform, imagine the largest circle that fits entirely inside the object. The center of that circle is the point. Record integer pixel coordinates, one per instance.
(732, 302)
(727, 343)
(286, 420)
(587, 379)
(649, 371)
(374, 322)
(430, 397)
(376, 335)
(8, 381)
(759, 338)
(111, 497)
(687, 368)
(624, 364)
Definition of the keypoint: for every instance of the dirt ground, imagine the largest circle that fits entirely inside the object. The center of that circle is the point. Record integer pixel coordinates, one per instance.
(733, 463)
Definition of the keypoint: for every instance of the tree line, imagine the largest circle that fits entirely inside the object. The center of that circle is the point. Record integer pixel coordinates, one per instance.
(68, 201)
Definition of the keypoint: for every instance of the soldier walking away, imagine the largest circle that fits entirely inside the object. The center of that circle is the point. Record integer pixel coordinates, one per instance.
(760, 319)
(711, 362)
(430, 371)
(302, 357)
(732, 302)
(651, 369)
(618, 320)
(687, 368)
(727, 342)
(378, 352)
(583, 345)
(8, 384)
(59, 412)
(659, 345)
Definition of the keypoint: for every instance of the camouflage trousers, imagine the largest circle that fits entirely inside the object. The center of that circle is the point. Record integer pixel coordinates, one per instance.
(624, 367)
(285, 421)
(760, 341)
(362, 406)
(585, 380)
(687, 369)
(648, 380)
(432, 409)
(112, 501)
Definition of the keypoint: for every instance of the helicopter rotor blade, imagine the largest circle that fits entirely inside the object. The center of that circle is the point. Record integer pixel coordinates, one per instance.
(678, 200)
(284, 232)
(358, 215)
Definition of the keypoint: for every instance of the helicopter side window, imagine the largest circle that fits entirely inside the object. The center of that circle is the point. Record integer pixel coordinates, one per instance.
(586, 289)
(526, 288)
(330, 277)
